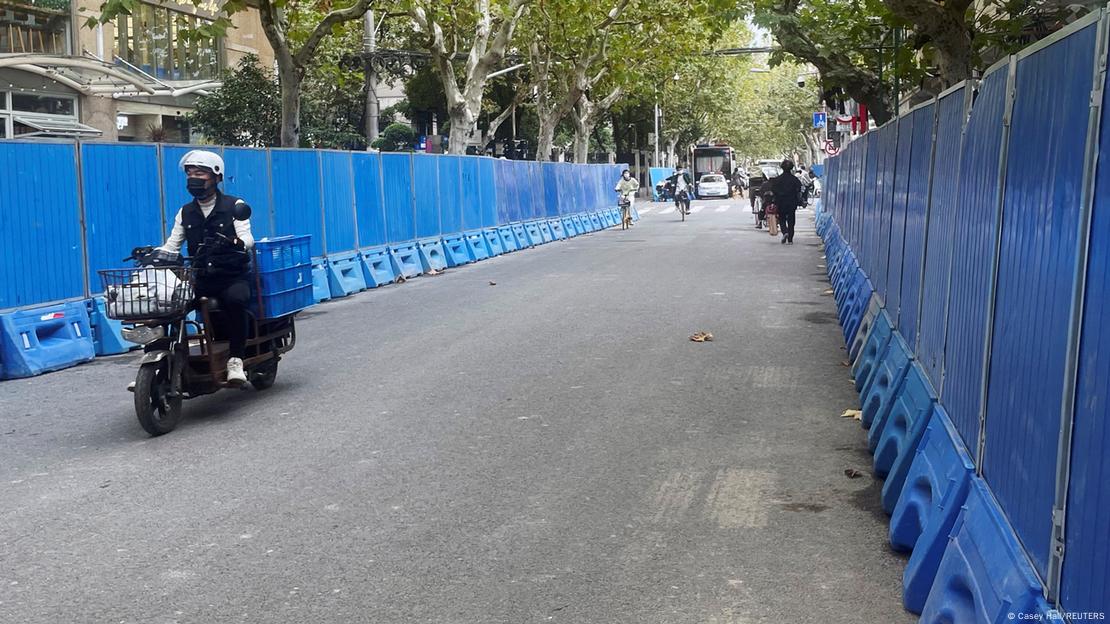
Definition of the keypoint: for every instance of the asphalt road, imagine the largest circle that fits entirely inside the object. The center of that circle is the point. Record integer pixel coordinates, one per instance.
(552, 448)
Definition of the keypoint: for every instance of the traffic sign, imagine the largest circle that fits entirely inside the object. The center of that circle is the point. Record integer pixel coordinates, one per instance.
(820, 119)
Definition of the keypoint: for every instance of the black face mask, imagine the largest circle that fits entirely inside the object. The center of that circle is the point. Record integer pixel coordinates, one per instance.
(198, 187)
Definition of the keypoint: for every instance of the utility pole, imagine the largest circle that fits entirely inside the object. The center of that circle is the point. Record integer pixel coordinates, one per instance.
(656, 163)
(369, 46)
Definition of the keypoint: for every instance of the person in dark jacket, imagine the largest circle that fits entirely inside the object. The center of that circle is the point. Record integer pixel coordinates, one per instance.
(217, 244)
(788, 194)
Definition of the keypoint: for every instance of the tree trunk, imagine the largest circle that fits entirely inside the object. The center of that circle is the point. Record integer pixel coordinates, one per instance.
(290, 80)
(545, 142)
(582, 130)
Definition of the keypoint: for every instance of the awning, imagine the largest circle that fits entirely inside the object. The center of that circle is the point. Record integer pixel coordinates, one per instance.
(54, 127)
(93, 76)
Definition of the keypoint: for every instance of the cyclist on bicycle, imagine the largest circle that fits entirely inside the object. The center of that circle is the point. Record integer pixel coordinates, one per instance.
(683, 188)
(217, 244)
(626, 190)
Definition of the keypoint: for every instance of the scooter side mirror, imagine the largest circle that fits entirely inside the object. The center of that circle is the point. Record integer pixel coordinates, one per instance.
(241, 211)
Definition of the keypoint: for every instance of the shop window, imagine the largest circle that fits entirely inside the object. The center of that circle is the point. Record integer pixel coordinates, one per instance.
(153, 39)
(34, 26)
(42, 104)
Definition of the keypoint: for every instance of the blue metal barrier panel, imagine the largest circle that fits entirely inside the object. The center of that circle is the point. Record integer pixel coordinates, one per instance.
(339, 201)
(425, 184)
(1040, 234)
(369, 206)
(1086, 575)
(866, 250)
(902, 175)
(40, 230)
(488, 192)
(298, 208)
(450, 194)
(889, 148)
(550, 177)
(917, 214)
(471, 193)
(968, 301)
(121, 211)
(400, 218)
(943, 214)
(248, 176)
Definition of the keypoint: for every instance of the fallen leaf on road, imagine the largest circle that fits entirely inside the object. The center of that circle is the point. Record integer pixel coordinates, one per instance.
(702, 337)
(493, 283)
(434, 272)
(851, 413)
(845, 363)
(401, 279)
(827, 293)
(852, 473)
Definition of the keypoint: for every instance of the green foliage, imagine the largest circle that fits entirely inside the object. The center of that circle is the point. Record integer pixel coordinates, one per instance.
(397, 137)
(244, 111)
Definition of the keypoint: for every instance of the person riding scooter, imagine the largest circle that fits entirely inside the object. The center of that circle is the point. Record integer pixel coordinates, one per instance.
(217, 244)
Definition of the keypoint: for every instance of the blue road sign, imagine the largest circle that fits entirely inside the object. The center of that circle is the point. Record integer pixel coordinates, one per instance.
(820, 120)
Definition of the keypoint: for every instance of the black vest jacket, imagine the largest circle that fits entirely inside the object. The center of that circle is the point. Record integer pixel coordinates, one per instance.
(219, 260)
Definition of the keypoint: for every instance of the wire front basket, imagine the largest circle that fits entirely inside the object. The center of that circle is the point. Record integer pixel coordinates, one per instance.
(147, 293)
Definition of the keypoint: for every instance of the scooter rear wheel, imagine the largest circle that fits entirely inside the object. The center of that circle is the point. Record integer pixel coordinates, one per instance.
(158, 414)
(264, 377)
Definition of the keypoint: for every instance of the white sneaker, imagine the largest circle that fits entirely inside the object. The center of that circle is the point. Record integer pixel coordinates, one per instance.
(235, 372)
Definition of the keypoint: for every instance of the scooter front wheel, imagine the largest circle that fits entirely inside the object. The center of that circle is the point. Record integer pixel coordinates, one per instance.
(158, 411)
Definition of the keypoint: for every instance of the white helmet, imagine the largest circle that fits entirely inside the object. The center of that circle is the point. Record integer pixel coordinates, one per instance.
(202, 158)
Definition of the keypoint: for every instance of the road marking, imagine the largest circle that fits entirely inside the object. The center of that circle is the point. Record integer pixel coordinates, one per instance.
(672, 498)
(667, 210)
(696, 209)
(722, 209)
(736, 498)
(645, 210)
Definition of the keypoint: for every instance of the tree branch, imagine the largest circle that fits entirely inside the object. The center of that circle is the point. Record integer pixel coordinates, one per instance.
(324, 28)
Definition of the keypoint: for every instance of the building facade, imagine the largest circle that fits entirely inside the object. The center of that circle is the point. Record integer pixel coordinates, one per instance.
(132, 80)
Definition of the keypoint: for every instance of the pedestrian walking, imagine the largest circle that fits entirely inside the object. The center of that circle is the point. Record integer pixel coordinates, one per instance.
(787, 190)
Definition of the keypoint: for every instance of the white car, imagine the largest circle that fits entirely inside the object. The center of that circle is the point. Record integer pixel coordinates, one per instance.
(712, 185)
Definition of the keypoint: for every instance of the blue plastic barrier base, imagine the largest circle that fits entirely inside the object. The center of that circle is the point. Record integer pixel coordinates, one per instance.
(321, 289)
(44, 339)
(984, 576)
(545, 231)
(897, 432)
(345, 276)
(476, 244)
(583, 224)
(377, 267)
(615, 216)
(107, 333)
(857, 308)
(870, 314)
(493, 242)
(595, 219)
(935, 490)
(557, 231)
(569, 227)
(879, 391)
(532, 230)
(432, 255)
(523, 241)
(867, 361)
(406, 259)
(455, 250)
(508, 239)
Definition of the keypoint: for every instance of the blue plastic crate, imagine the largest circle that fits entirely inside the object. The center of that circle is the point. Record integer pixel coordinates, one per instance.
(287, 302)
(283, 252)
(284, 266)
(281, 280)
